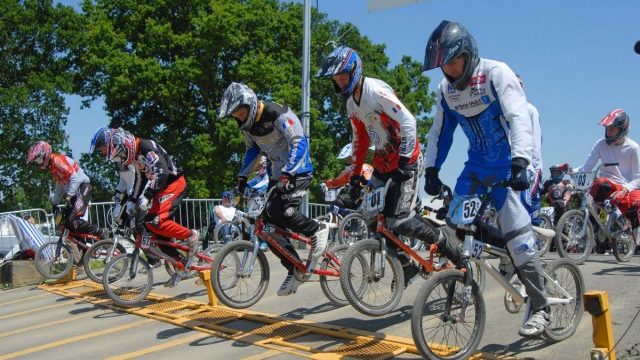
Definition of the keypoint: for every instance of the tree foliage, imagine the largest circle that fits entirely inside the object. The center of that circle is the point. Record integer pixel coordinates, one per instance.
(34, 42)
(161, 67)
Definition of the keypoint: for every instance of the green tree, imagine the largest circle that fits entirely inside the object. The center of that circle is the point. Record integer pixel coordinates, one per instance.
(162, 67)
(35, 37)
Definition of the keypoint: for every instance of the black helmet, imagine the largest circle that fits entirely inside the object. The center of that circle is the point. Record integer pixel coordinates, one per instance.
(558, 171)
(237, 95)
(448, 41)
(617, 118)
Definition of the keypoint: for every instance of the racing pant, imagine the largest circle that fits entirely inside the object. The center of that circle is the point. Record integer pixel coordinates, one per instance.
(629, 204)
(515, 224)
(75, 223)
(531, 197)
(401, 215)
(159, 219)
(282, 210)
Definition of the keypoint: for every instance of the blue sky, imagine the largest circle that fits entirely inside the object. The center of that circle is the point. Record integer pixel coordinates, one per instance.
(576, 58)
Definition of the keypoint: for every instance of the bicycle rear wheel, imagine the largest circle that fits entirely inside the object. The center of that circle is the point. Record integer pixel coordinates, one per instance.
(568, 242)
(98, 255)
(352, 228)
(238, 281)
(365, 286)
(543, 246)
(565, 317)
(120, 286)
(624, 247)
(51, 266)
(442, 325)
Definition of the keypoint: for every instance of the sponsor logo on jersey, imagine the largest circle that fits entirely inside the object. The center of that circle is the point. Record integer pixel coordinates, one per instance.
(396, 108)
(373, 136)
(450, 89)
(478, 91)
(152, 157)
(477, 80)
(471, 104)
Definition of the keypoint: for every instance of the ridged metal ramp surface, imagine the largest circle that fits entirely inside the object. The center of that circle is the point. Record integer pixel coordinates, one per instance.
(265, 330)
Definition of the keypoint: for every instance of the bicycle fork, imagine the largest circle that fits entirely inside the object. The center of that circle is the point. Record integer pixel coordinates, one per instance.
(251, 259)
(133, 268)
(383, 255)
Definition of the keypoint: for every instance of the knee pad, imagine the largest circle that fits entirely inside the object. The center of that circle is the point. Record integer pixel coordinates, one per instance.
(522, 248)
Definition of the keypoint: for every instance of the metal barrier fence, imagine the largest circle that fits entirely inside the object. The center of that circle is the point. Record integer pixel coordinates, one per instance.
(193, 213)
(8, 236)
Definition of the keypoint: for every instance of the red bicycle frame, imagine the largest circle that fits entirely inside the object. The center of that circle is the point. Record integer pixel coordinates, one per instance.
(299, 264)
(155, 250)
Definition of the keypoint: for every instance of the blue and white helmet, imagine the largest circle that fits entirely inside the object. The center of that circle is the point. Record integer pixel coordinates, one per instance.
(237, 95)
(101, 140)
(343, 60)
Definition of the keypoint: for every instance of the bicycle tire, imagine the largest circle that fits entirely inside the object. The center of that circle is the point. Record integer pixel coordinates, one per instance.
(219, 268)
(570, 222)
(357, 297)
(556, 331)
(344, 230)
(96, 257)
(624, 248)
(430, 345)
(219, 226)
(57, 269)
(123, 293)
(327, 283)
(542, 246)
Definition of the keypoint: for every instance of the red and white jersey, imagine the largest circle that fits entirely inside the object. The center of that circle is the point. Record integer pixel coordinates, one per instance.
(381, 120)
(620, 163)
(67, 174)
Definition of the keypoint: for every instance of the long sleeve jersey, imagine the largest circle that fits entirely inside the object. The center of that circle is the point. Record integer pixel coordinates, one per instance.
(536, 154)
(277, 133)
(620, 163)
(380, 119)
(492, 111)
(67, 175)
(155, 169)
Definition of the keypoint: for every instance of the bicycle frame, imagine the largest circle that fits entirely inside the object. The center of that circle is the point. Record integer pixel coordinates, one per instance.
(152, 247)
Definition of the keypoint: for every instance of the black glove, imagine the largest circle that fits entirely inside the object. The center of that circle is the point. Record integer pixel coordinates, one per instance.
(68, 203)
(519, 180)
(432, 183)
(242, 184)
(357, 182)
(404, 171)
(286, 183)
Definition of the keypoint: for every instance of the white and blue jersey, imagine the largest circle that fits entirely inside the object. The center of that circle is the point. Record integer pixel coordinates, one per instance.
(277, 133)
(493, 113)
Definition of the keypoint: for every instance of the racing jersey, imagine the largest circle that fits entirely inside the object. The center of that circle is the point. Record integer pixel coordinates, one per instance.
(556, 192)
(536, 154)
(620, 163)
(277, 133)
(67, 175)
(492, 111)
(154, 169)
(381, 120)
(345, 176)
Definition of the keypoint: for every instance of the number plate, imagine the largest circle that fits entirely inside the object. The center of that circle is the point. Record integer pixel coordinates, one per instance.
(463, 209)
(374, 201)
(255, 206)
(476, 251)
(146, 240)
(583, 180)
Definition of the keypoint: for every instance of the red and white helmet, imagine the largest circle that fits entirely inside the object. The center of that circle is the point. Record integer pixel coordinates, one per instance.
(39, 153)
(619, 119)
(122, 148)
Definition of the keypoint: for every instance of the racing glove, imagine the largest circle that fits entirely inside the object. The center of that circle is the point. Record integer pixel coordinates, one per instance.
(357, 182)
(241, 184)
(432, 183)
(519, 180)
(286, 183)
(404, 171)
(144, 204)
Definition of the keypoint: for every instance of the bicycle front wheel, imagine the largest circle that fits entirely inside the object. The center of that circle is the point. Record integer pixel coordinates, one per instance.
(569, 243)
(447, 320)
(542, 245)
(370, 288)
(239, 276)
(121, 286)
(98, 255)
(352, 228)
(51, 266)
(330, 285)
(566, 312)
